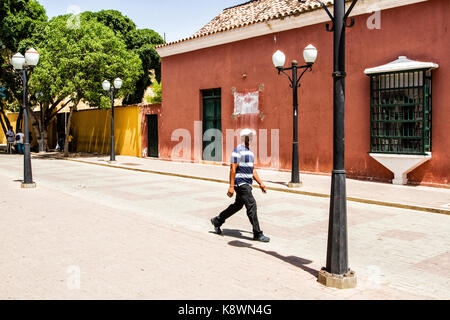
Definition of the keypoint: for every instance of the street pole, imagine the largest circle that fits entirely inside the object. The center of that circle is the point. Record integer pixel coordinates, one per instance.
(41, 144)
(27, 173)
(310, 55)
(22, 65)
(337, 256)
(295, 175)
(113, 151)
(117, 84)
(337, 273)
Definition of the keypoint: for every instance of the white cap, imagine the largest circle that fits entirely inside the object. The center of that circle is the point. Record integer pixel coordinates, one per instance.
(247, 133)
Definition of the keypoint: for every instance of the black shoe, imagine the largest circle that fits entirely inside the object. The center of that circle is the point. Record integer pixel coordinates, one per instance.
(216, 226)
(261, 238)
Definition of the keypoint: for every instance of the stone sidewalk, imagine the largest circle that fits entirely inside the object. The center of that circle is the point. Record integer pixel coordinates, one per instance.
(96, 232)
(436, 200)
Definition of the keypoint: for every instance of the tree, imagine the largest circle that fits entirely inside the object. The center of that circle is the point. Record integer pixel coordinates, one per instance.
(143, 43)
(18, 20)
(140, 41)
(157, 94)
(122, 26)
(55, 75)
(75, 61)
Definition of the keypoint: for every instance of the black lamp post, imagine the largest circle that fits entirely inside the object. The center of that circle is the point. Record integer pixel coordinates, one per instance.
(39, 96)
(25, 65)
(337, 273)
(279, 59)
(107, 87)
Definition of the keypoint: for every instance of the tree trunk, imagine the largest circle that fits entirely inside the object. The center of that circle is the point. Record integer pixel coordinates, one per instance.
(8, 123)
(46, 148)
(66, 142)
(19, 121)
(36, 121)
(36, 128)
(48, 118)
(3, 124)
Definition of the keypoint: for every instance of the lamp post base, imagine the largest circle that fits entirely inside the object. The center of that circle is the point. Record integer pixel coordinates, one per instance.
(295, 185)
(31, 185)
(346, 281)
(112, 161)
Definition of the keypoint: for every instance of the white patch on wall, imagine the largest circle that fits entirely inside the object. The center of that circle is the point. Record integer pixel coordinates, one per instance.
(246, 103)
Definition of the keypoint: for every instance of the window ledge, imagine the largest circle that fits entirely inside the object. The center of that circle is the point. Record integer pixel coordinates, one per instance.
(401, 64)
(400, 164)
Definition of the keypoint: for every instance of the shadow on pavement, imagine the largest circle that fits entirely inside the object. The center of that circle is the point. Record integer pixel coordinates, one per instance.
(233, 234)
(295, 261)
(285, 184)
(236, 234)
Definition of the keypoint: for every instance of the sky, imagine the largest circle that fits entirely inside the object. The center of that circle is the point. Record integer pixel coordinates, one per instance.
(178, 19)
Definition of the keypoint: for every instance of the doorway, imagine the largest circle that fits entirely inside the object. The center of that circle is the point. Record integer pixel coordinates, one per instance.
(212, 119)
(152, 135)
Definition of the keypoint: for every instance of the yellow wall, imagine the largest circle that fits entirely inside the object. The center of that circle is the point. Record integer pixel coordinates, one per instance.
(13, 119)
(91, 130)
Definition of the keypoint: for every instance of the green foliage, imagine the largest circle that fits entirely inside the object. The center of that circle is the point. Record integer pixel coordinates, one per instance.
(143, 37)
(144, 42)
(18, 20)
(157, 97)
(140, 41)
(75, 61)
(122, 26)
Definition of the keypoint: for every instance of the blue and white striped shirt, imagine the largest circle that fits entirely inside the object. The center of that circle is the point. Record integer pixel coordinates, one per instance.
(245, 160)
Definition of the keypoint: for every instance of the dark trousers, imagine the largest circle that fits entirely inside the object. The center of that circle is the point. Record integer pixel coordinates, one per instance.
(244, 197)
(20, 148)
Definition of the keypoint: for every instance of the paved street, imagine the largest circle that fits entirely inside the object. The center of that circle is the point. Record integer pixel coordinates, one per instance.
(135, 235)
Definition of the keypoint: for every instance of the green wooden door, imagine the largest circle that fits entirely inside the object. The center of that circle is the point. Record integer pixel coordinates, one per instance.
(212, 119)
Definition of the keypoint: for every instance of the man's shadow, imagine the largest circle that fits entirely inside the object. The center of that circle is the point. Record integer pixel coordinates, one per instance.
(295, 261)
(285, 184)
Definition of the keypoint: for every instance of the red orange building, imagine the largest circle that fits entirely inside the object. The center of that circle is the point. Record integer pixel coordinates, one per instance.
(397, 109)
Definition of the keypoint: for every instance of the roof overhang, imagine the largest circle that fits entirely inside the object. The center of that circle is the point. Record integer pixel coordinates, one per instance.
(402, 64)
(278, 25)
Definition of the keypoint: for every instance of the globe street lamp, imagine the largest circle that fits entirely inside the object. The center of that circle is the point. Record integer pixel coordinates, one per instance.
(279, 59)
(24, 66)
(39, 96)
(117, 84)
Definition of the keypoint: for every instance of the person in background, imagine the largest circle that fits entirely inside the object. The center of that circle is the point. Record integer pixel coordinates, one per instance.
(19, 139)
(61, 138)
(10, 139)
(70, 140)
(242, 174)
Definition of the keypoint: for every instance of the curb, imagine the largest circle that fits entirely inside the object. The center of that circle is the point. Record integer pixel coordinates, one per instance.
(305, 193)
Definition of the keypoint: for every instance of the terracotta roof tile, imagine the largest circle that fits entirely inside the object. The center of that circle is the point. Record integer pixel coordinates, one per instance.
(254, 11)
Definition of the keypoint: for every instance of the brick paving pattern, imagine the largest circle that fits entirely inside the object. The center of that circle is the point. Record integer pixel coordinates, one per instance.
(137, 235)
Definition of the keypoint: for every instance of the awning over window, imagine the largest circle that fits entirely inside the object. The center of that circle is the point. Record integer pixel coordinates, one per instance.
(402, 64)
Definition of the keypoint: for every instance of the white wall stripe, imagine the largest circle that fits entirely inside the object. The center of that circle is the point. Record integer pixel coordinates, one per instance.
(244, 176)
(246, 164)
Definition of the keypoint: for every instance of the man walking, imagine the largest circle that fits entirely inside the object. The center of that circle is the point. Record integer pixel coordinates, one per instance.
(242, 174)
(10, 138)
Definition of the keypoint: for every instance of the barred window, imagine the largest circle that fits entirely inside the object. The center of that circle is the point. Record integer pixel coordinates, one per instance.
(400, 114)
